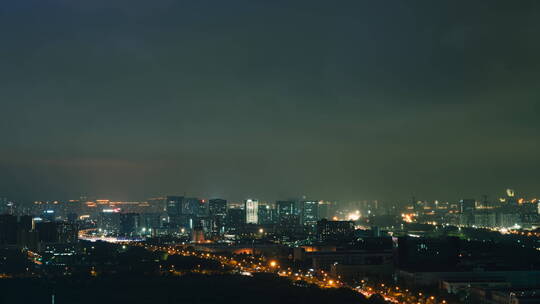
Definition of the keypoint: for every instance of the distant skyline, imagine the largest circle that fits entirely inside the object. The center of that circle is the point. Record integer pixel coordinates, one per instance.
(404, 200)
(269, 99)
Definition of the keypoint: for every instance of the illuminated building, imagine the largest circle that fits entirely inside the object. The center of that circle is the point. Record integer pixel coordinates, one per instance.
(373, 257)
(190, 206)
(217, 206)
(174, 210)
(189, 212)
(310, 215)
(218, 213)
(108, 221)
(334, 230)
(266, 215)
(287, 218)
(287, 214)
(508, 219)
(197, 235)
(285, 210)
(251, 208)
(202, 208)
(152, 220)
(485, 219)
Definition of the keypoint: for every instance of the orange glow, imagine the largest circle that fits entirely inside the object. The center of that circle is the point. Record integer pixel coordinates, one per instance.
(243, 251)
(409, 218)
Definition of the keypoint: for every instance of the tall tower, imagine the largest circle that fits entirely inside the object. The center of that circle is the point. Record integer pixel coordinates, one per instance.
(310, 215)
(218, 213)
(251, 207)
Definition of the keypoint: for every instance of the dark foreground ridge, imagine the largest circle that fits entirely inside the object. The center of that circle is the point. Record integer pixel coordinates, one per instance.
(135, 289)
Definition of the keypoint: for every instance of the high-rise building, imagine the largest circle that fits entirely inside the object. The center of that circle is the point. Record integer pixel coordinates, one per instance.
(251, 208)
(485, 219)
(508, 219)
(288, 219)
(174, 204)
(326, 209)
(158, 204)
(202, 208)
(174, 210)
(129, 224)
(197, 234)
(266, 214)
(108, 221)
(236, 218)
(8, 229)
(218, 212)
(152, 221)
(217, 206)
(310, 215)
(190, 206)
(285, 211)
(189, 212)
(467, 205)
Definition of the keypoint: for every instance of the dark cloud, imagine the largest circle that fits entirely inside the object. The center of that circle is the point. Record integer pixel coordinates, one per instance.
(349, 100)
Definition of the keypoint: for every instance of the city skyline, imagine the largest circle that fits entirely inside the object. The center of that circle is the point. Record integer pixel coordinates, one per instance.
(256, 151)
(93, 197)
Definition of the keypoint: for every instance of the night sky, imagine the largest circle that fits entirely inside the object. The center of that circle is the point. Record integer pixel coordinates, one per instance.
(345, 100)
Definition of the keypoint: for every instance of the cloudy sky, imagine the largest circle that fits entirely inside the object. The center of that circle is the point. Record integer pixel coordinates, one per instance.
(271, 99)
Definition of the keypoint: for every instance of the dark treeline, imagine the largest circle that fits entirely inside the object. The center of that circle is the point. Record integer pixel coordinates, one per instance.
(137, 289)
